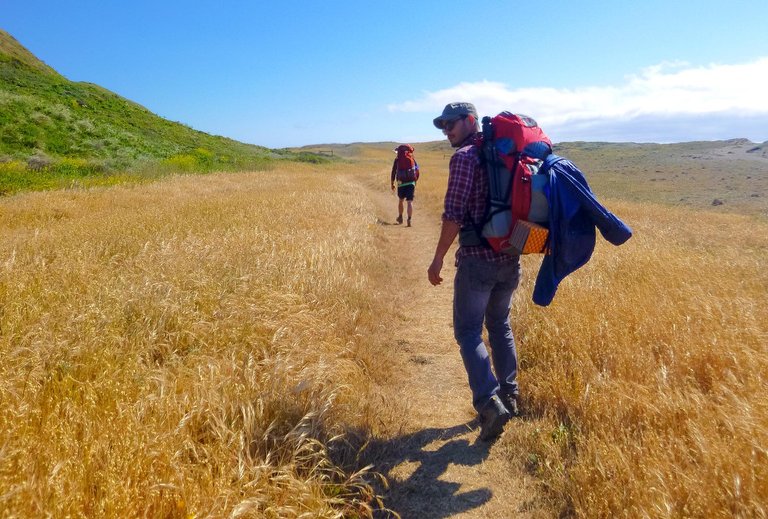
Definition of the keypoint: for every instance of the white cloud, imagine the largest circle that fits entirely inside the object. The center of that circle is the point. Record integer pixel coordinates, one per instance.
(661, 93)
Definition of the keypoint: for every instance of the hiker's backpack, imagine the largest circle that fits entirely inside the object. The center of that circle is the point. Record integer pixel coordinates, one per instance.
(406, 164)
(512, 149)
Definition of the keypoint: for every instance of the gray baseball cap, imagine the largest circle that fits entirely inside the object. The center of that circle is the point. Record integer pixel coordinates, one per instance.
(454, 111)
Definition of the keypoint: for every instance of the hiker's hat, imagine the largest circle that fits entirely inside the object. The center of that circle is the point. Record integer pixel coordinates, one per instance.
(453, 111)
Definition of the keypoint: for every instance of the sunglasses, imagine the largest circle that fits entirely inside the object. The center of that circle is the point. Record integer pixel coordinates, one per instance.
(448, 125)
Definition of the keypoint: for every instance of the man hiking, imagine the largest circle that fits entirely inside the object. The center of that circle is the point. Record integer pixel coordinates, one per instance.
(405, 171)
(484, 280)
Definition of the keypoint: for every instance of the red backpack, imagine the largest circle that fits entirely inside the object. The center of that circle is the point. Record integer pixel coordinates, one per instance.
(512, 149)
(406, 164)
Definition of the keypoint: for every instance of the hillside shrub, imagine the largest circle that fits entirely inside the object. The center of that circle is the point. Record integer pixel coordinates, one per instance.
(185, 163)
(12, 167)
(76, 167)
(204, 158)
(312, 158)
(39, 161)
(16, 176)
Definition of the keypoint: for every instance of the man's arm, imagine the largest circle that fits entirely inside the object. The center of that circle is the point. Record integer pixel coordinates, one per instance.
(448, 233)
(460, 170)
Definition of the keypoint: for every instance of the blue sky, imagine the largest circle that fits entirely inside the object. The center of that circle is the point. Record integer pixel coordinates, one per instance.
(294, 73)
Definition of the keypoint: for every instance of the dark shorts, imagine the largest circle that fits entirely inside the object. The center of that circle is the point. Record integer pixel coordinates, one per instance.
(406, 192)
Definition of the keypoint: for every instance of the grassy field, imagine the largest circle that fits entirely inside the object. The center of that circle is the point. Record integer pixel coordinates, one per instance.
(724, 176)
(649, 372)
(201, 346)
(209, 346)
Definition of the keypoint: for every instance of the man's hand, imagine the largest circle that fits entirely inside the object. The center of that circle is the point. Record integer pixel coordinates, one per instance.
(392, 186)
(433, 272)
(448, 232)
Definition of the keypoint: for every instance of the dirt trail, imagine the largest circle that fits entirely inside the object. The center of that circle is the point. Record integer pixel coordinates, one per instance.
(437, 468)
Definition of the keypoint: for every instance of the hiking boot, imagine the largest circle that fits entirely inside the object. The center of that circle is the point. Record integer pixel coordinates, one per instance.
(409, 222)
(492, 419)
(399, 219)
(510, 402)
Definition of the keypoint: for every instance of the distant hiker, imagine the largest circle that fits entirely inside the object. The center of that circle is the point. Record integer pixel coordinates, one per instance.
(405, 171)
(484, 281)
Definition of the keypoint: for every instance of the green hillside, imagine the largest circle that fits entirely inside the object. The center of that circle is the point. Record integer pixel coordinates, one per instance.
(52, 129)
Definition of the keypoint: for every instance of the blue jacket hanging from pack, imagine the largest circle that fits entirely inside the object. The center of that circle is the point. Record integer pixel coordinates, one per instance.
(574, 212)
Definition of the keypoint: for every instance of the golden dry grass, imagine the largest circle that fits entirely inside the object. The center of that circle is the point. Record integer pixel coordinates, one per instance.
(647, 376)
(191, 348)
(211, 346)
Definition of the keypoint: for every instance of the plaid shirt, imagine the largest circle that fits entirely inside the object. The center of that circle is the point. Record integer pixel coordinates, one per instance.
(466, 198)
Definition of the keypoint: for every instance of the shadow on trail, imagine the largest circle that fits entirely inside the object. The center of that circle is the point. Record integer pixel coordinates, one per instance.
(428, 454)
(379, 221)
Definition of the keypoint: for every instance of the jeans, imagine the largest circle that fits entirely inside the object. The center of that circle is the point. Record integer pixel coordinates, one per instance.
(483, 291)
